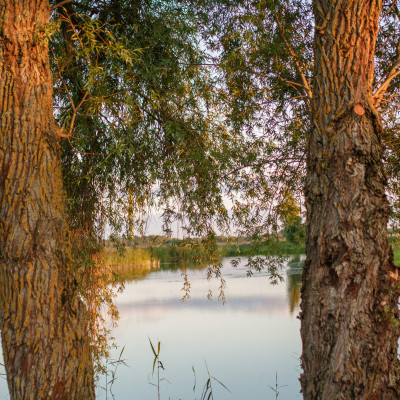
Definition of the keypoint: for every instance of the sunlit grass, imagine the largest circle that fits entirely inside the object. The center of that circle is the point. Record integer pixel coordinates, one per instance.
(133, 263)
(130, 256)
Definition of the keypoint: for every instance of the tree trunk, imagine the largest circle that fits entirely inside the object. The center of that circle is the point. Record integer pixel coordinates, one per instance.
(350, 285)
(45, 341)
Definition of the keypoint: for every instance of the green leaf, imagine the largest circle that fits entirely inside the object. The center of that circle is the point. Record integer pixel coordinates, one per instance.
(154, 363)
(152, 348)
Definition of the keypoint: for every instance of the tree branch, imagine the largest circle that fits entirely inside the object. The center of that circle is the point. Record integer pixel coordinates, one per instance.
(394, 71)
(60, 131)
(380, 92)
(306, 84)
(390, 8)
(60, 4)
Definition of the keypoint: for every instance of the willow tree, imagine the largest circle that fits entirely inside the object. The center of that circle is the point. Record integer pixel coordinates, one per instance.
(134, 114)
(350, 316)
(44, 335)
(331, 97)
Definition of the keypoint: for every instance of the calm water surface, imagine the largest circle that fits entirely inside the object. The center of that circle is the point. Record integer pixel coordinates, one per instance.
(245, 343)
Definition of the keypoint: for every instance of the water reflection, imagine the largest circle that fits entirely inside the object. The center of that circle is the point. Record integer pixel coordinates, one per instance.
(126, 273)
(294, 273)
(240, 295)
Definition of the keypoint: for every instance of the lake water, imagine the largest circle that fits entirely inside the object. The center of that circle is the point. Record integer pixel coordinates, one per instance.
(245, 343)
(249, 344)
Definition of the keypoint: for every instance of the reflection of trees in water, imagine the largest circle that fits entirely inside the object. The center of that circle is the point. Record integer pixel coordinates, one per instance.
(183, 265)
(124, 272)
(293, 272)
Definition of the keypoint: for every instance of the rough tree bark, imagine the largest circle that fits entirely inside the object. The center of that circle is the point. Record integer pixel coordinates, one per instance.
(350, 284)
(44, 334)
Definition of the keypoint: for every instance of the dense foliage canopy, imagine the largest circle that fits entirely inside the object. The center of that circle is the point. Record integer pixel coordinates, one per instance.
(196, 109)
(166, 105)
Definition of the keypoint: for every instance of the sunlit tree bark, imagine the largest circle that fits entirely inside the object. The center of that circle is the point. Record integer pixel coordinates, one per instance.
(350, 285)
(44, 334)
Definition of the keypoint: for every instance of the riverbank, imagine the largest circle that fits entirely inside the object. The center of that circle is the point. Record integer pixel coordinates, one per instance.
(137, 262)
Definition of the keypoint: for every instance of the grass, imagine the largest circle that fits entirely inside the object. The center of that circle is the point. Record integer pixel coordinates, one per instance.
(265, 249)
(207, 392)
(133, 263)
(131, 256)
(396, 251)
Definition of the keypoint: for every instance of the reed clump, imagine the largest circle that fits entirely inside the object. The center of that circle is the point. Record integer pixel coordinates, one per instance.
(131, 263)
